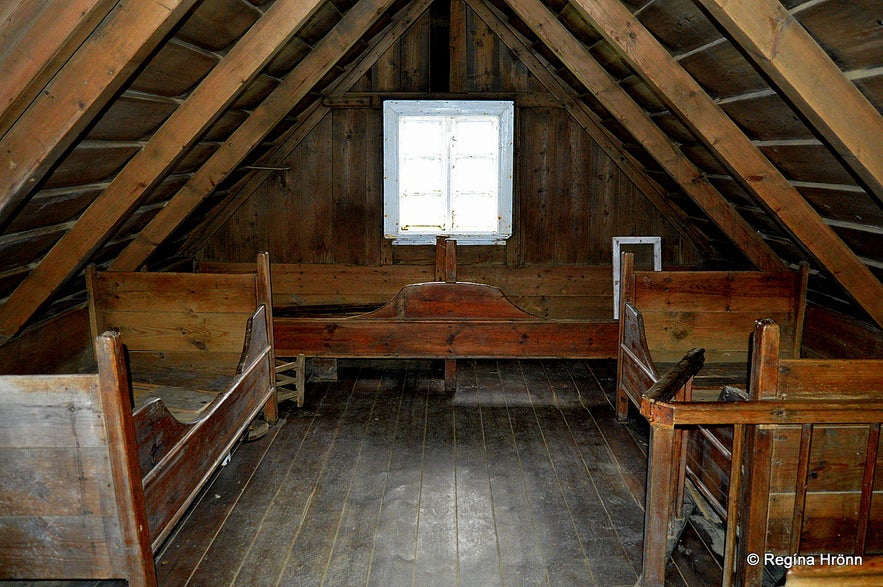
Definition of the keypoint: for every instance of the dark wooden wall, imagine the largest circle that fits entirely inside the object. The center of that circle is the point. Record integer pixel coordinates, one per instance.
(570, 198)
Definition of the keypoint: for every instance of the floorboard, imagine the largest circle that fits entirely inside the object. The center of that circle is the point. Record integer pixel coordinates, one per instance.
(522, 476)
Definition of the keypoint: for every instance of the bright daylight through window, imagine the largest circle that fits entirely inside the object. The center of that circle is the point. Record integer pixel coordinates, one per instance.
(447, 170)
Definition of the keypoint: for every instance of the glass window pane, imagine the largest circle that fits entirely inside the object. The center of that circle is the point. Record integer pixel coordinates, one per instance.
(421, 136)
(478, 136)
(475, 213)
(423, 213)
(421, 176)
(474, 176)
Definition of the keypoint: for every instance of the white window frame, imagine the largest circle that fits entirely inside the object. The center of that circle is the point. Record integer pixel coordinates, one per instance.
(393, 111)
(618, 241)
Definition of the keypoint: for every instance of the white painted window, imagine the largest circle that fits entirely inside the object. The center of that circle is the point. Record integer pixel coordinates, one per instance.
(447, 170)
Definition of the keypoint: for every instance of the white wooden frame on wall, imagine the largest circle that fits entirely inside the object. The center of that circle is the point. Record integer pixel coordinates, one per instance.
(618, 242)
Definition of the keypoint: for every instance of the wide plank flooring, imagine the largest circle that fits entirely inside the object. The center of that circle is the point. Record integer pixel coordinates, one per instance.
(520, 477)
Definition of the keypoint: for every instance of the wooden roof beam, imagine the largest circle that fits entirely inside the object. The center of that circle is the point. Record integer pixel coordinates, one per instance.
(251, 132)
(590, 122)
(628, 113)
(181, 130)
(45, 44)
(67, 105)
(779, 45)
(724, 138)
(308, 121)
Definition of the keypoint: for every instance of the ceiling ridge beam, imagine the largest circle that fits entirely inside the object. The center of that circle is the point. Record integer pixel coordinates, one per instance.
(590, 122)
(66, 105)
(686, 97)
(296, 85)
(149, 166)
(777, 43)
(646, 132)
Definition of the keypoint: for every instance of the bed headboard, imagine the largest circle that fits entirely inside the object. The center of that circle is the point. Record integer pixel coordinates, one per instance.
(178, 312)
(714, 310)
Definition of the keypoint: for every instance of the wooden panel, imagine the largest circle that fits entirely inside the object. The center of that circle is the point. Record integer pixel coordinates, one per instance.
(174, 70)
(177, 331)
(81, 547)
(175, 292)
(715, 291)
(452, 339)
(71, 481)
(216, 24)
(56, 519)
(37, 409)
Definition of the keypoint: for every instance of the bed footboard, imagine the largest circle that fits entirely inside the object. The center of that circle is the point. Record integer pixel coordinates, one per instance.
(177, 459)
(71, 502)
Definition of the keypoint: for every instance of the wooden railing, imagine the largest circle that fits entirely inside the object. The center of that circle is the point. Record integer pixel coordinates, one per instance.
(788, 395)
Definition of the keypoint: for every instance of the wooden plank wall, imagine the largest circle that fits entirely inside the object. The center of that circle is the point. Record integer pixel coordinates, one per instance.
(570, 198)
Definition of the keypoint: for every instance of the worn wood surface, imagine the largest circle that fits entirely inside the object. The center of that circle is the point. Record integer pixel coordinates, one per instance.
(72, 504)
(520, 476)
(446, 320)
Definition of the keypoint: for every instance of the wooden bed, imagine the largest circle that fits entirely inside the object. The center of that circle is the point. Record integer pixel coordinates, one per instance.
(714, 310)
(447, 321)
(201, 368)
(438, 310)
(806, 477)
(71, 500)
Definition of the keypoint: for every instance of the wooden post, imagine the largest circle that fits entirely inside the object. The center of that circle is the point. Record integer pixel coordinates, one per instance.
(658, 505)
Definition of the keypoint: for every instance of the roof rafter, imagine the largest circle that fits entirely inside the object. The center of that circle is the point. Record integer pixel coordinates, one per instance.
(627, 112)
(184, 127)
(589, 121)
(835, 107)
(309, 119)
(67, 105)
(40, 51)
(720, 134)
(259, 124)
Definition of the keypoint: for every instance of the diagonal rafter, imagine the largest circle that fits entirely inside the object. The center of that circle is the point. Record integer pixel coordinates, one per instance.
(801, 69)
(67, 105)
(309, 119)
(45, 44)
(723, 137)
(181, 130)
(628, 113)
(589, 121)
(259, 124)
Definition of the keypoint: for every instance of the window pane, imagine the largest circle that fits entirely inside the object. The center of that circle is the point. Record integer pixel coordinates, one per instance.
(474, 176)
(421, 176)
(478, 136)
(475, 213)
(421, 136)
(423, 213)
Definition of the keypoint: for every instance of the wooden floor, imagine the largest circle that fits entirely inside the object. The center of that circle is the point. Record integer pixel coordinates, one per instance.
(520, 477)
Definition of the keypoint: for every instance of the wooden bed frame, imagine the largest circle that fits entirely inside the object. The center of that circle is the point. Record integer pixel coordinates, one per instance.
(201, 367)
(817, 420)
(714, 310)
(440, 310)
(71, 500)
(446, 321)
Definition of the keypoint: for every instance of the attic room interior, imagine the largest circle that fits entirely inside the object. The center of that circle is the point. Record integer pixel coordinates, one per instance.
(455, 292)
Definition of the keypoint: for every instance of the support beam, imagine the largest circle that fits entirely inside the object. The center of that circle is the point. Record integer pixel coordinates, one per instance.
(148, 167)
(45, 44)
(779, 45)
(691, 179)
(590, 122)
(67, 105)
(250, 133)
(720, 134)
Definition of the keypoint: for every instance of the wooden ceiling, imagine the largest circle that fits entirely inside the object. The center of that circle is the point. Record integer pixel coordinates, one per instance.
(130, 130)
